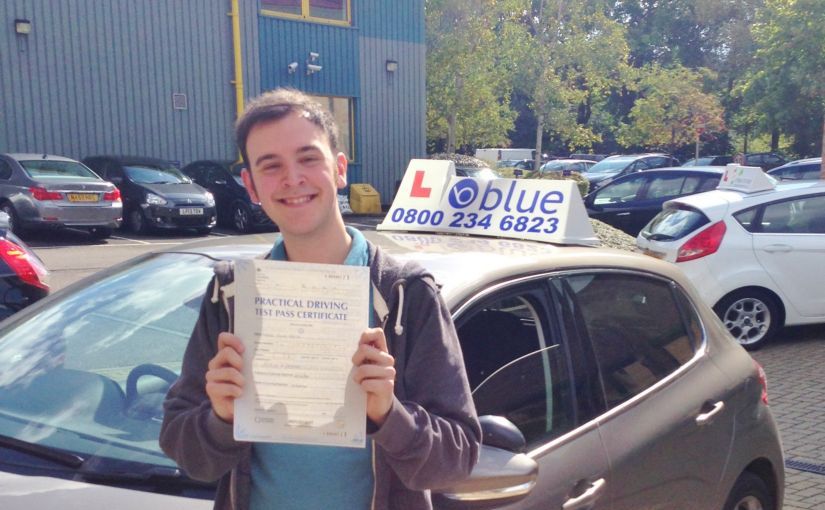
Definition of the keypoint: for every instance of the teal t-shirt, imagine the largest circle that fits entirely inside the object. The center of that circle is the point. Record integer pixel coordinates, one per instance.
(288, 476)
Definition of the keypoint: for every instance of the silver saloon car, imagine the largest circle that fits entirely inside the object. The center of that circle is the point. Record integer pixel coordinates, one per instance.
(40, 191)
(603, 380)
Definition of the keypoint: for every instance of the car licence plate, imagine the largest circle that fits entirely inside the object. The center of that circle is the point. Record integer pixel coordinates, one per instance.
(191, 211)
(83, 197)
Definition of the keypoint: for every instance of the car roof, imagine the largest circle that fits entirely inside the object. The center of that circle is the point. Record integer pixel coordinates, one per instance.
(806, 161)
(462, 265)
(716, 203)
(134, 160)
(25, 156)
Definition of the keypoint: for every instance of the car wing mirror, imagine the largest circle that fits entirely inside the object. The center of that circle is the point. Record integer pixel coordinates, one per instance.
(499, 478)
(500, 432)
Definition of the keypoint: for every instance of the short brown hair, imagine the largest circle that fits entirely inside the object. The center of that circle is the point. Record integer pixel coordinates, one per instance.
(277, 104)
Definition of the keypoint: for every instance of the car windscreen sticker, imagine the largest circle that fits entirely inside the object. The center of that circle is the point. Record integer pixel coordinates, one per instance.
(748, 179)
(432, 198)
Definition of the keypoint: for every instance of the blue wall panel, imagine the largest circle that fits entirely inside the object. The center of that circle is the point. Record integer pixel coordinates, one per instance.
(400, 20)
(284, 41)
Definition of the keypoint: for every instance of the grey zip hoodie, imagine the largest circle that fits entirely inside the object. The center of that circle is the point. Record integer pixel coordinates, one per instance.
(430, 438)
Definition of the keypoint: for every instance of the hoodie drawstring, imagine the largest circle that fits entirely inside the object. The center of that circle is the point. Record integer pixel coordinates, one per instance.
(399, 329)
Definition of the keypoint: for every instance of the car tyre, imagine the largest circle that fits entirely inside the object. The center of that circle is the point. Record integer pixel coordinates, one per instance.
(752, 316)
(241, 217)
(749, 493)
(137, 222)
(14, 221)
(100, 232)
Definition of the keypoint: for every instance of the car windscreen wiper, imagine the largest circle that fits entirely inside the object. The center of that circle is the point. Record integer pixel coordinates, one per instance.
(71, 460)
(660, 237)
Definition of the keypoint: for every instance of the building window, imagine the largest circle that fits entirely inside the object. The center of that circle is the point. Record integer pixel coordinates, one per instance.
(342, 110)
(324, 11)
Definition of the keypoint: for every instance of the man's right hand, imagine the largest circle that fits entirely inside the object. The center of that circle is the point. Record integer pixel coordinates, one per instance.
(224, 381)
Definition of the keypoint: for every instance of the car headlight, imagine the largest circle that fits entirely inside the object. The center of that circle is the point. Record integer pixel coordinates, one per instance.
(153, 199)
(210, 200)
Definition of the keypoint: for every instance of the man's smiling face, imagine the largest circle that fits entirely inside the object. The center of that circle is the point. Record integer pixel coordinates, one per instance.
(295, 176)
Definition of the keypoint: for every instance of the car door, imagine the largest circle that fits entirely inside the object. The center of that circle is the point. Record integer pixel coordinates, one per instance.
(670, 419)
(790, 245)
(520, 368)
(616, 202)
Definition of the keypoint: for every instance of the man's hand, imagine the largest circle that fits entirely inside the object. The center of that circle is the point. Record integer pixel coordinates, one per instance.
(375, 372)
(224, 382)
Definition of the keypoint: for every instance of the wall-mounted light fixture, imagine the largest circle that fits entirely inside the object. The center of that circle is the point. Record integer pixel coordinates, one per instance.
(292, 67)
(313, 68)
(313, 56)
(23, 26)
(392, 66)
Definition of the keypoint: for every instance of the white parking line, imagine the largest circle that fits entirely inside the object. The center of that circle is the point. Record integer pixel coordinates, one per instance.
(138, 241)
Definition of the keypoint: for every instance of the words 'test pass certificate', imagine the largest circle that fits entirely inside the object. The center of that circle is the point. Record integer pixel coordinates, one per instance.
(300, 325)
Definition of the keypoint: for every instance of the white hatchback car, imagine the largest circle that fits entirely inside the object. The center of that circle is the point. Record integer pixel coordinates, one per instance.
(755, 256)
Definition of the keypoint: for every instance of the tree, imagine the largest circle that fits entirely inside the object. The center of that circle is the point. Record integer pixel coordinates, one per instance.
(672, 109)
(467, 94)
(789, 73)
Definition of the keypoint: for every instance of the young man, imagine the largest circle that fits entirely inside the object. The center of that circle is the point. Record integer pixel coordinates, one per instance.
(420, 416)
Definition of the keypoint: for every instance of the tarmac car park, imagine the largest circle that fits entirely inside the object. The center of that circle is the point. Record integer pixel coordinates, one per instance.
(605, 382)
(753, 248)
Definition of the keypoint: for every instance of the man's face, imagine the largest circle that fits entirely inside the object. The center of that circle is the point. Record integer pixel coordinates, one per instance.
(295, 176)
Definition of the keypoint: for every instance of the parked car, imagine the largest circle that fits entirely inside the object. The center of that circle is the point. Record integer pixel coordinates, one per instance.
(799, 170)
(23, 276)
(468, 166)
(756, 257)
(615, 166)
(709, 161)
(586, 364)
(630, 202)
(567, 165)
(232, 202)
(764, 160)
(156, 195)
(40, 191)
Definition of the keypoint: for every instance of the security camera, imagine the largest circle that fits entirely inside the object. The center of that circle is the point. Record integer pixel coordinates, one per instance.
(313, 68)
(292, 67)
(313, 56)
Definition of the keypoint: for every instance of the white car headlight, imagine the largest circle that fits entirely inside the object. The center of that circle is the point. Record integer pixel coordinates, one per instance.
(153, 199)
(210, 200)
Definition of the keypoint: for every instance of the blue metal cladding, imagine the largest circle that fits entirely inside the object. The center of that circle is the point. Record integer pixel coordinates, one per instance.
(97, 76)
(285, 41)
(399, 20)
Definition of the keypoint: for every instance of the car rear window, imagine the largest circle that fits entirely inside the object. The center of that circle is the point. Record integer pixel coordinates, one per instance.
(51, 169)
(674, 222)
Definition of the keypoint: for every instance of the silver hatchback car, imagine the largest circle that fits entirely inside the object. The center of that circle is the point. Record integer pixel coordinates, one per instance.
(46, 191)
(605, 382)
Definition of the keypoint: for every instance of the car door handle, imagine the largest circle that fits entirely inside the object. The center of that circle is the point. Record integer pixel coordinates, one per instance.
(777, 248)
(706, 418)
(587, 497)
(623, 214)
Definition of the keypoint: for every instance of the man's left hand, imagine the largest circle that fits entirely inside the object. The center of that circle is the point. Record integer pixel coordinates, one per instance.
(375, 372)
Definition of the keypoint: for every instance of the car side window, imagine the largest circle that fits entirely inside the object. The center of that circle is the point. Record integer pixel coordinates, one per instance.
(515, 367)
(620, 192)
(665, 186)
(5, 170)
(708, 183)
(636, 327)
(799, 216)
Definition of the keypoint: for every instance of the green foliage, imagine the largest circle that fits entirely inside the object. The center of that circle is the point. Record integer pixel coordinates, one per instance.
(671, 109)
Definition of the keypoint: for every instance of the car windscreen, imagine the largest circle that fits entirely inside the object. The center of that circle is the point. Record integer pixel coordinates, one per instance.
(145, 174)
(609, 165)
(674, 222)
(88, 370)
(55, 169)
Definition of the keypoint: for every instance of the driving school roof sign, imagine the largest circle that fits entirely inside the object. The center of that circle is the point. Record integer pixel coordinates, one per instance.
(748, 179)
(432, 198)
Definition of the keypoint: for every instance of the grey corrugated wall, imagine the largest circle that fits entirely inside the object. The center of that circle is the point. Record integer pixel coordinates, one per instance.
(393, 111)
(97, 76)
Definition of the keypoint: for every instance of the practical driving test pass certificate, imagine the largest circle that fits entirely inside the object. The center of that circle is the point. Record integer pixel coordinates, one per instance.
(300, 325)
